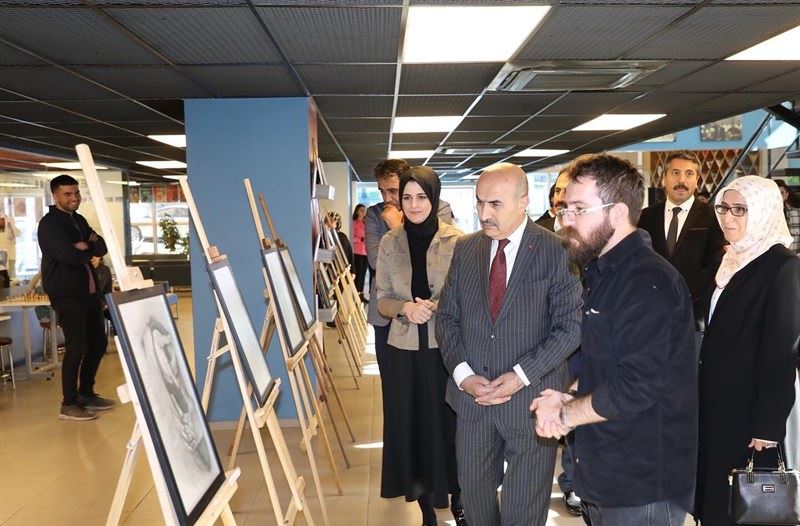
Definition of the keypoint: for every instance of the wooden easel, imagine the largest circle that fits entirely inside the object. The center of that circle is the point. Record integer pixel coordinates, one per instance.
(129, 279)
(259, 416)
(303, 392)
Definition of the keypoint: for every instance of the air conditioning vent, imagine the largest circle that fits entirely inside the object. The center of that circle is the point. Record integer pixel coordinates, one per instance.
(572, 75)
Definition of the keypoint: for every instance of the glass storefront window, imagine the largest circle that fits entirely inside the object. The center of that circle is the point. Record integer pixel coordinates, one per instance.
(148, 206)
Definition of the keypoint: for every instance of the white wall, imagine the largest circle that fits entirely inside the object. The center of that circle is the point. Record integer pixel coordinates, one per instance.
(338, 175)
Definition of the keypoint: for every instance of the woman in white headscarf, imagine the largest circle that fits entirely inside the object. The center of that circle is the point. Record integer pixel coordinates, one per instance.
(750, 347)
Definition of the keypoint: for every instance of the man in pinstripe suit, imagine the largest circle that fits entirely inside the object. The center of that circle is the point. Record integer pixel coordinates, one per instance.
(506, 322)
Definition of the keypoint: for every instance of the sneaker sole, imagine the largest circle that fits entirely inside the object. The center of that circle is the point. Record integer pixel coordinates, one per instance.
(98, 407)
(80, 418)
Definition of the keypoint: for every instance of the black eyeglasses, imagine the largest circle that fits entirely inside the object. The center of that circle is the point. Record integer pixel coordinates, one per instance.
(737, 211)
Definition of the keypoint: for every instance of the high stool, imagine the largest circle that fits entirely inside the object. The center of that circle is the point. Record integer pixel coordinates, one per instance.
(5, 352)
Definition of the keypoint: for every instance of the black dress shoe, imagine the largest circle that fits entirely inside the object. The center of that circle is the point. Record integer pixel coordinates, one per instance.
(572, 502)
(458, 515)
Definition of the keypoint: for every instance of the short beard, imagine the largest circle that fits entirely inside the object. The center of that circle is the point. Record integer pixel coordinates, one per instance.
(589, 248)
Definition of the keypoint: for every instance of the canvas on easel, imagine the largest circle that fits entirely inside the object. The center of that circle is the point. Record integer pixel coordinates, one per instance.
(173, 452)
(166, 394)
(245, 337)
(285, 312)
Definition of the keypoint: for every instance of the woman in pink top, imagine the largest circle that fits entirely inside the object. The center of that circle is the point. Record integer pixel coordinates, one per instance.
(359, 249)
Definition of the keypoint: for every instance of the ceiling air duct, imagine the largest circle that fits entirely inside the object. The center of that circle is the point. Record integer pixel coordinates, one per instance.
(572, 75)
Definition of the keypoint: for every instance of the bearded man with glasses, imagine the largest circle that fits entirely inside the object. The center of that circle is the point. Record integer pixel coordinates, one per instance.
(635, 411)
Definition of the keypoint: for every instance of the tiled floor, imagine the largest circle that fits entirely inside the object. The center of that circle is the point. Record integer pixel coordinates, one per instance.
(55, 472)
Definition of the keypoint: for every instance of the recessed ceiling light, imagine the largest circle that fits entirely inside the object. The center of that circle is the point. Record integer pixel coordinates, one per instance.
(471, 177)
(411, 154)
(162, 165)
(179, 141)
(785, 46)
(444, 123)
(539, 152)
(17, 185)
(453, 34)
(618, 121)
(175, 177)
(69, 166)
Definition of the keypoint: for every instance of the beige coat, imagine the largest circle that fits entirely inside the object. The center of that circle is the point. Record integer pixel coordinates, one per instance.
(394, 281)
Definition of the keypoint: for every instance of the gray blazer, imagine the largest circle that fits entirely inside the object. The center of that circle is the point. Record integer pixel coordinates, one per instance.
(374, 229)
(538, 326)
(394, 281)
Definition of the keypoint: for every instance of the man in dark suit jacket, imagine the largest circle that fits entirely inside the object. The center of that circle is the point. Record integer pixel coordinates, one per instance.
(507, 320)
(548, 220)
(685, 230)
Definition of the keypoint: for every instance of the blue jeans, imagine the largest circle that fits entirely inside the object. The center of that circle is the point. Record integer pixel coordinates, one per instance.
(662, 513)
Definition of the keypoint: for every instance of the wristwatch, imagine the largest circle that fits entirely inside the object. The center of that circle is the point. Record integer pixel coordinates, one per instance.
(562, 416)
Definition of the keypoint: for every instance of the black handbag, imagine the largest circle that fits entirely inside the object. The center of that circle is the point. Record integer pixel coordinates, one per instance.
(765, 495)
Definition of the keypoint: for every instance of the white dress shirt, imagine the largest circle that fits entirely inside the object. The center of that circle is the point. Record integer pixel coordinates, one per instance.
(682, 215)
(463, 369)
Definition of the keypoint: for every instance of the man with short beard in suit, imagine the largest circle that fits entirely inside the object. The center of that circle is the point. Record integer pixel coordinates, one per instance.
(685, 230)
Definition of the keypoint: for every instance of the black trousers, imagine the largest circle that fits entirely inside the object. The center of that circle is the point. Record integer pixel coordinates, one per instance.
(360, 264)
(85, 335)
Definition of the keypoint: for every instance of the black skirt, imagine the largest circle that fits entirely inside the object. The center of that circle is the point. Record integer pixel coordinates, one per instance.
(419, 428)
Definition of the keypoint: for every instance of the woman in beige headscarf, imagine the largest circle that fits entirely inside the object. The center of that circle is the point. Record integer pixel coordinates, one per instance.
(747, 360)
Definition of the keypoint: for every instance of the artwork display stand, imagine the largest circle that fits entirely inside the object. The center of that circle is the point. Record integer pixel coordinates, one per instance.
(129, 279)
(303, 392)
(257, 417)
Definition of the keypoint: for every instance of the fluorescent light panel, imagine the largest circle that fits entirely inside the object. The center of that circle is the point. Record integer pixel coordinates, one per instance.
(411, 154)
(461, 34)
(785, 46)
(17, 185)
(179, 141)
(162, 165)
(539, 152)
(124, 183)
(443, 123)
(70, 166)
(618, 121)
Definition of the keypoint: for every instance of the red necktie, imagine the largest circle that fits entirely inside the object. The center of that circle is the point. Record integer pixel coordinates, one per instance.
(497, 280)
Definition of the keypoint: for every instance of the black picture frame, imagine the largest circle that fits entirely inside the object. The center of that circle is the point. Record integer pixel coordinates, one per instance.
(305, 313)
(286, 316)
(173, 416)
(248, 345)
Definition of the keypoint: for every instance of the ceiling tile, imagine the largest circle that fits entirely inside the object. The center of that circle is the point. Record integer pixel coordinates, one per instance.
(363, 150)
(669, 73)
(364, 106)
(730, 76)
(789, 83)
(146, 81)
(589, 103)
(358, 125)
(10, 56)
(91, 39)
(527, 137)
(110, 110)
(664, 102)
(501, 124)
(447, 78)
(718, 31)
(493, 103)
(49, 83)
(201, 35)
(374, 137)
(583, 32)
(423, 105)
(361, 79)
(248, 81)
(35, 112)
(328, 34)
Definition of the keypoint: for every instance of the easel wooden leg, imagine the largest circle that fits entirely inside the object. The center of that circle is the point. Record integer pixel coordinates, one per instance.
(311, 399)
(233, 450)
(324, 371)
(124, 482)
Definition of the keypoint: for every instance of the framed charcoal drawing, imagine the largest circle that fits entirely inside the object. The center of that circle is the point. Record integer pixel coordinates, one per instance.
(168, 399)
(286, 317)
(306, 316)
(240, 324)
